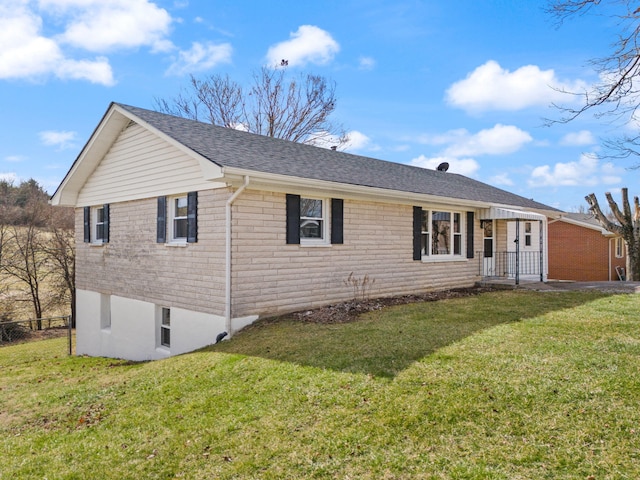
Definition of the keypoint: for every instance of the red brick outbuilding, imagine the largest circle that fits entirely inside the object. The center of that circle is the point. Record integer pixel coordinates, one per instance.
(581, 250)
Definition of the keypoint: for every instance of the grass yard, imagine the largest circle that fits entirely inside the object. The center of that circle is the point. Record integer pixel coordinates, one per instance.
(503, 385)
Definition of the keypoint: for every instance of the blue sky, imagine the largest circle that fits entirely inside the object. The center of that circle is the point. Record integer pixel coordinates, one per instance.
(419, 82)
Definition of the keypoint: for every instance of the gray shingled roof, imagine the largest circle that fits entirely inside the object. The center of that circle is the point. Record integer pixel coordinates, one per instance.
(232, 148)
(583, 218)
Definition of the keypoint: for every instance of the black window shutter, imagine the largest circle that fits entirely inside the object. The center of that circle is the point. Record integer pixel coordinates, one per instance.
(87, 224)
(293, 219)
(161, 229)
(337, 214)
(192, 217)
(105, 235)
(470, 224)
(417, 233)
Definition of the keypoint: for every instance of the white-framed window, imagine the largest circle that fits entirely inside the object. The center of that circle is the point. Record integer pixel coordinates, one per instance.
(527, 234)
(165, 327)
(619, 247)
(441, 234)
(178, 221)
(98, 227)
(96, 224)
(313, 221)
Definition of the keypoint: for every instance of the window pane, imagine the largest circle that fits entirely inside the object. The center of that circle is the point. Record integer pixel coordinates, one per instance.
(180, 228)
(166, 316)
(527, 227)
(99, 215)
(310, 207)
(165, 335)
(100, 231)
(424, 249)
(488, 247)
(311, 229)
(441, 225)
(487, 225)
(457, 244)
(456, 223)
(181, 207)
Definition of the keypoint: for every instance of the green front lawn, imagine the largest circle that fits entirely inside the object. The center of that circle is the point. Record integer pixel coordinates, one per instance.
(503, 385)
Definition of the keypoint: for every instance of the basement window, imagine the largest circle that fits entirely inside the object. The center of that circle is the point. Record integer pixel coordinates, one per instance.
(165, 327)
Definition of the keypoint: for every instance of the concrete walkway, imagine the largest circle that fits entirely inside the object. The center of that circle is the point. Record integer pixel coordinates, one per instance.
(555, 285)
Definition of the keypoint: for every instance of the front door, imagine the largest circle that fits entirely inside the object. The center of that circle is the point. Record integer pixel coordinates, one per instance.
(489, 261)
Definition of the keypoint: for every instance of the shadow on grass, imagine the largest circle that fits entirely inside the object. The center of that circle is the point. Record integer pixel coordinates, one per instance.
(385, 342)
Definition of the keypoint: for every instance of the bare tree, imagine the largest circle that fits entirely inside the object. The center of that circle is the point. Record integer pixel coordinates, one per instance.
(60, 251)
(616, 95)
(25, 263)
(626, 224)
(37, 260)
(275, 105)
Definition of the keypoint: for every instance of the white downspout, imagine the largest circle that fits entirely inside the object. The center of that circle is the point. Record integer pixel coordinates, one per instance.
(227, 274)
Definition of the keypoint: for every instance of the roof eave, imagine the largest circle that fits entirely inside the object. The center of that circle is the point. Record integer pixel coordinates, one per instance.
(590, 226)
(292, 184)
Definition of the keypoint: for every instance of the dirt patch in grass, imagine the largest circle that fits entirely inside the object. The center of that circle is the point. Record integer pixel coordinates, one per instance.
(349, 311)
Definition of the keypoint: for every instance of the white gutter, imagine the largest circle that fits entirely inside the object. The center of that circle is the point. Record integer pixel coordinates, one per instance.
(227, 302)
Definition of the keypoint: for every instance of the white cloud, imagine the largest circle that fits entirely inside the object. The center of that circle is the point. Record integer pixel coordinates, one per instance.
(583, 137)
(200, 57)
(359, 141)
(501, 179)
(498, 140)
(309, 44)
(463, 166)
(60, 139)
(15, 158)
(23, 52)
(491, 87)
(98, 71)
(26, 52)
(587, 171)
(99, 26)
(366, 63)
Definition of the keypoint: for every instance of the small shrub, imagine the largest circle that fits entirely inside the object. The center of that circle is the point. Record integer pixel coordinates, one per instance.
(361, 286)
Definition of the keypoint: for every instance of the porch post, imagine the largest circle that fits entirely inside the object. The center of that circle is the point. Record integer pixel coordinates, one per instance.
(541, 253)
(517, 240)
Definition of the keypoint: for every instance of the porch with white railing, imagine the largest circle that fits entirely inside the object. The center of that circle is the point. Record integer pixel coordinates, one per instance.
(514, 266)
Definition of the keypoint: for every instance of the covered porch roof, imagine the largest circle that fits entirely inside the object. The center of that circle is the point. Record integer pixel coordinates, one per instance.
(500, 213)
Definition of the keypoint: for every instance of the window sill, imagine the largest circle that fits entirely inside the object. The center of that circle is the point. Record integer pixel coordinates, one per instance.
(435, 259)
(164, 350)
(96, 244)
(176, 244)
(106, 330)
(315, 245)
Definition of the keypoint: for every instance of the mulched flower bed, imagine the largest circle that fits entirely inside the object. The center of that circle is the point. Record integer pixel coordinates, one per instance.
(349, 311)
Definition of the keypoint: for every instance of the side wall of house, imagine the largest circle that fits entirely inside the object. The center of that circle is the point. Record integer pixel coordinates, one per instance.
(270, 277)
(578, 253)
(122, 283)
